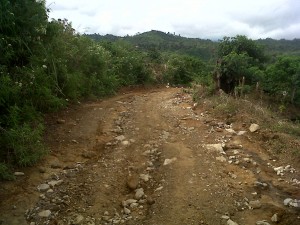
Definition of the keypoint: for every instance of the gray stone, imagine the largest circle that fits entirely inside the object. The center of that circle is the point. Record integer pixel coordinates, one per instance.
(224, 217)
(19, 174)
(169, 161)
(139, 193)
(230, 222)
(78, 219)
(53, 183)
(145, 177)
(242, 132)
(256, 204)
(294, 203)
(260, 184)
(262, 222)
(215, 147)
(221, 159)
(43, 187)
(45, 213)
(275, 218)
(127, 211)
(287, 201)
(125, 143)
(120, 138)
(128, 202)
(254, 127)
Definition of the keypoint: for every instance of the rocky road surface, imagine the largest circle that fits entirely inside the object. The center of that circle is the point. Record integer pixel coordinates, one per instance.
(149, 157)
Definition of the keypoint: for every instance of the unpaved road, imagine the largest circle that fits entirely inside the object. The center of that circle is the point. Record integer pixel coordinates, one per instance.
(147, 158)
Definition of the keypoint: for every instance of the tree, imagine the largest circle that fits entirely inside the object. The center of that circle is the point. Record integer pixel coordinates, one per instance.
(284, 77)
(236, 55)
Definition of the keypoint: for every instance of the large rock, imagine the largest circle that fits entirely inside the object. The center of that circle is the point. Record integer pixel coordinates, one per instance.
(139, 193)
(215, 147)
(169, 161)
(254, 127)
(133, 181)
(45, 213)
(43, 187)
(256, 204)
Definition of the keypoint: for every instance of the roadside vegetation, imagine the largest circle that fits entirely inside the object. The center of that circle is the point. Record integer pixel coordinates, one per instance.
(45, 65)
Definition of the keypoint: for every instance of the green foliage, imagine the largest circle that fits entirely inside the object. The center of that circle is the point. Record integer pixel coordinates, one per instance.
(239, 58)
(5, 173)
(184, 70)
(283, 78)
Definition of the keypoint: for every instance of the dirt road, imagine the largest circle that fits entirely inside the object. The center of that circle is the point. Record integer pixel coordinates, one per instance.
(147, 157)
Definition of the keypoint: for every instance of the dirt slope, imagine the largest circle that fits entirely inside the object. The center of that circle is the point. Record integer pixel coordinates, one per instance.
(147, 157)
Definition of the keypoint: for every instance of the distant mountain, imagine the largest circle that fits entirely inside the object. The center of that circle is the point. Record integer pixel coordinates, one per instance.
(166, 42)
(278, 47)
(203, 48)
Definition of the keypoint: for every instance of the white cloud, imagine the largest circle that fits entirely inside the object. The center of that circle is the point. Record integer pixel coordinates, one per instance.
(192, 18)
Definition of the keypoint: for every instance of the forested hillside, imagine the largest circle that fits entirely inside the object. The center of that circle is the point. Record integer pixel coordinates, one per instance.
(46, 65)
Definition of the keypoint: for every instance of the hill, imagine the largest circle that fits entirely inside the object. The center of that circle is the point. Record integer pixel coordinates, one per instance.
(202, 48)
(166, 42)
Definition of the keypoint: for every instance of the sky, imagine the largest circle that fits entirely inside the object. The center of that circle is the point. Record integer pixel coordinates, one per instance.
(206, 19)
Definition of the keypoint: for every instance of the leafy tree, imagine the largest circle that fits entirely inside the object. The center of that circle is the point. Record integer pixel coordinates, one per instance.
(283, 78)
(236, 56)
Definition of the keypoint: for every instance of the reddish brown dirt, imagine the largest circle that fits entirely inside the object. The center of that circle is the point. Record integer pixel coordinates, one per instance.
(98, 171)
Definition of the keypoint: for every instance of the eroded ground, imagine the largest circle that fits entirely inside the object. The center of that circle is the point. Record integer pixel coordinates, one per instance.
(148, 157)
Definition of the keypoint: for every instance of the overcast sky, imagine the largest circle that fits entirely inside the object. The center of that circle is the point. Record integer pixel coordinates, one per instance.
(207, 19)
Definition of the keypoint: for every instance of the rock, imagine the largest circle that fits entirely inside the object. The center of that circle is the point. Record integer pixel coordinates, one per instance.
(254, 127)
(133, 181)
(139, 193)
(221, 159)
(262, 222)
(55, 182)
(256, 204)
(248, 160)
(60, 121)
(75, 141)
(169, 161)
(32, 223)
(120, 138)
(128, 202)
(242, 132)
(224, 217)
(145, 177)
(274, 218)
(260, 184)
(159, 188)
(231, 131)
(287, 201)
(236, 152)
(78, 219)
(125, 143)
(215, 147)
(232, 146)
(292, 202)
(19, 173)
(230, 222)
(43, 187)
(45, 213)
(134, 205)
(127, 211)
